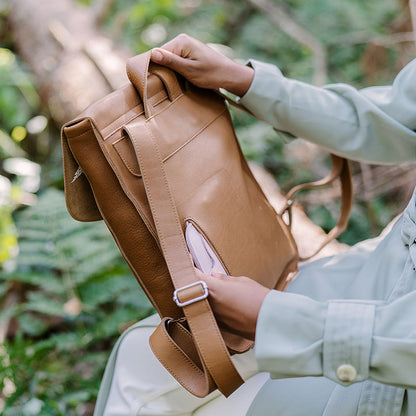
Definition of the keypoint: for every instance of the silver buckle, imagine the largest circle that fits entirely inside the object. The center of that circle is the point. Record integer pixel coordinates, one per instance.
(188, 302)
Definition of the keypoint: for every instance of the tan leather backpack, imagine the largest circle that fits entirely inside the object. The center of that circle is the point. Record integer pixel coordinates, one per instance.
(153, 156)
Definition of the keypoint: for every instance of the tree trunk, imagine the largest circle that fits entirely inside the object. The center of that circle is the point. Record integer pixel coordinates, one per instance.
(72, 62)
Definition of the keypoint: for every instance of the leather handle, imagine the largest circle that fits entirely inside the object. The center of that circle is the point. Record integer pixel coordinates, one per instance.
(138, 69)
(340, 169)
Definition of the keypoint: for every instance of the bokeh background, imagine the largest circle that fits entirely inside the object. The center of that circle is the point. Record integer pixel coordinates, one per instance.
(65, 292)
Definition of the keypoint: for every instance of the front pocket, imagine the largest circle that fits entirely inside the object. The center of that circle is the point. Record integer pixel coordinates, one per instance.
(169, 142)
(203, 255)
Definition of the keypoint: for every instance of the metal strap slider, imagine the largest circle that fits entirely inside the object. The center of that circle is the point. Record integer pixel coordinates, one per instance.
(188, 302)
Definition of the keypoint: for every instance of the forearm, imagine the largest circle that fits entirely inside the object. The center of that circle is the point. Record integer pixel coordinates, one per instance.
(376, 124)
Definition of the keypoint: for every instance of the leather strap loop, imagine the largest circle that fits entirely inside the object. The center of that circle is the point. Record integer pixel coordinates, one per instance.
(168, 79)
(207, 337)
(138, 69)
(175, 348)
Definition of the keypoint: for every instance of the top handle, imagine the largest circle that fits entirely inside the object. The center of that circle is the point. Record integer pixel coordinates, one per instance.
(340, 169)
(138, 68)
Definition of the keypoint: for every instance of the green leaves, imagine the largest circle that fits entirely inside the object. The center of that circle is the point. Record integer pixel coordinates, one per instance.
(75, 293)
(18, 96)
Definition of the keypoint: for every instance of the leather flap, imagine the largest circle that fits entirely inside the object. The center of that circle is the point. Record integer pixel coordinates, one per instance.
(79, 197)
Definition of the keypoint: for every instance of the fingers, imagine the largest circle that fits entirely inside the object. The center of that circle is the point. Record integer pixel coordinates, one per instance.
(216, 273)
(183, 45)
(169, 59)
(201, 275)
(215, 281)
(157, 56)
(203, 66)
(194, 60)
(177, 54)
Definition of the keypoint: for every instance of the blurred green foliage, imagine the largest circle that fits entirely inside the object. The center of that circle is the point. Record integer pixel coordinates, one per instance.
(252, 34)
(77, 293)
(18, 96)
(64, 288)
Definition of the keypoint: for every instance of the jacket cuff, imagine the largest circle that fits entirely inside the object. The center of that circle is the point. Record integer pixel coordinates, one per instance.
(297, 336)
(347, 341)
(260, 98)
(289, 335)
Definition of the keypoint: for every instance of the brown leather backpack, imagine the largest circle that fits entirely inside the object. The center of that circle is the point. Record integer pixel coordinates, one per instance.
(152, 156)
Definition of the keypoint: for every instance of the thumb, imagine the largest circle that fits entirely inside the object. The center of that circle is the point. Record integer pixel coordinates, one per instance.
(169, 59)
(217, 273)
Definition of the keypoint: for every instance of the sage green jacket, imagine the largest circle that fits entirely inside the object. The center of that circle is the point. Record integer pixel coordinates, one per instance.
(342, 340)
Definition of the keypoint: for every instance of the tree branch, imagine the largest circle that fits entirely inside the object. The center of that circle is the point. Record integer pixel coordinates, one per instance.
(280, 17)
(73, 63)
(382, 40)
(308, 236)
(383, 180)
(101, 9)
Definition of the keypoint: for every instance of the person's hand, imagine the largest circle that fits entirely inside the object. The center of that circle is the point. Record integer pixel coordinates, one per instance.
(203, 66)
(236, 301)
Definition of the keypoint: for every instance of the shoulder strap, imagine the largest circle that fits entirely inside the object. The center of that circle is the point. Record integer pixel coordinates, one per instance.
(217, 368)
(340, 169)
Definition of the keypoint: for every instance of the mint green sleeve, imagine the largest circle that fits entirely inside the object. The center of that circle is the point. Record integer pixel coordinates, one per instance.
(345, 340)
(303, 337)
(375, 124)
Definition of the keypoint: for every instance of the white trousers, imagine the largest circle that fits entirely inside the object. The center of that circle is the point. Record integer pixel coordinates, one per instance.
(135, 383)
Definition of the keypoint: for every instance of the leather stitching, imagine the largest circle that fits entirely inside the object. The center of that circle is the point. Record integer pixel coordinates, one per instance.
(144, 86)
(134, 171)
(126, 162)
(204, 303)
(194, 136)
(160, 100)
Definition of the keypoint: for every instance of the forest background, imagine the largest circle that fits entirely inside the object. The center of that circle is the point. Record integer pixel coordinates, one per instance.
(65, 292)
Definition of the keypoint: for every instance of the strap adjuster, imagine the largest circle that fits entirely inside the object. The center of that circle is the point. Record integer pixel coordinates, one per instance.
(188, 302)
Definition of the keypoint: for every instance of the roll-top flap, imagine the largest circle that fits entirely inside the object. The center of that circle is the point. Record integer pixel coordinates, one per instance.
(104, 121)
(106, 118)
